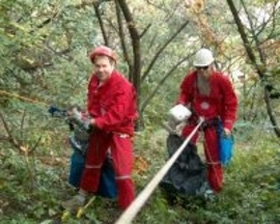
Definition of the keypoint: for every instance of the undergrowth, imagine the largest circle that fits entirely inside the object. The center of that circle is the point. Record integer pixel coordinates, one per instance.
(31, 188)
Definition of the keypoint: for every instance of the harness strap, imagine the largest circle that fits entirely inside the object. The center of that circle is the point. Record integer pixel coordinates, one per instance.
(122, 177)
(123, 135)
(210, 123)
(93, 167)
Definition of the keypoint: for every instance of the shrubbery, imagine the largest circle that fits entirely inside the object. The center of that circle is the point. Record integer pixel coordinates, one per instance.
(251, 192)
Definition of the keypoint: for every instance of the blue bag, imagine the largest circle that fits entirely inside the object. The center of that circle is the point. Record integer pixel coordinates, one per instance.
(79, 143)
(107, 185)
(225, 145)
(77, 164)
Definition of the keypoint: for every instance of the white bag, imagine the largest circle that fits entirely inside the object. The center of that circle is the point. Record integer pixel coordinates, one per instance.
(179, 113)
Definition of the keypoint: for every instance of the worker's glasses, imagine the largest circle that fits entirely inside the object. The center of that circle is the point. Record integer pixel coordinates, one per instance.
(203, 68)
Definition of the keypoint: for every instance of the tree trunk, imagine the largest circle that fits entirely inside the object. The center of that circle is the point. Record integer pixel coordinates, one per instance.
(135, 40)
(261, 69)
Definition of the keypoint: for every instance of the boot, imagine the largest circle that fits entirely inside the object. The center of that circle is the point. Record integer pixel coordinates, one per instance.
(74, 203)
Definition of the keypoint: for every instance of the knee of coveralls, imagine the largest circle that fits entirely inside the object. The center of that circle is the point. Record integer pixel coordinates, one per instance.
(214, 167)
(122, 155)
(96, 154)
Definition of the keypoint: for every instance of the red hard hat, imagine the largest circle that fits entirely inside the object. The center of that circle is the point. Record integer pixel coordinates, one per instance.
(103, 51)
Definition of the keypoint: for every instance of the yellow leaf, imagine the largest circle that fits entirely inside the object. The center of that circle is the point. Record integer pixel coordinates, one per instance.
(65, 216)
(80, 213)
(30, 61)
(24, 148)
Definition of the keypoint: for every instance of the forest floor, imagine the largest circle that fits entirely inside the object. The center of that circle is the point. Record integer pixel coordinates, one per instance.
(31, 189)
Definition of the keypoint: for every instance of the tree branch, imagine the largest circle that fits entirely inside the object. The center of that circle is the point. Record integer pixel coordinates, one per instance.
(22, 124)
(254, 35)
(273, 20)
(244, 38)
(100, 21)
(145, 30)
(270, 112)
(11, 138)
(146, 73)
(260, 68)
(35, 145)
(161, 82)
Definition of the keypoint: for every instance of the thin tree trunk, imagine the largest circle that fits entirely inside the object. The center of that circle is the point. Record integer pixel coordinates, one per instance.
(123, 44)
(135, 39)
(101, 24)
(259, 68)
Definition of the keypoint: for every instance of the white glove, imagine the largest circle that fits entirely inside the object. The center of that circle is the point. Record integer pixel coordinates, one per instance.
(86, 123)
(80, 120)
(77, 115)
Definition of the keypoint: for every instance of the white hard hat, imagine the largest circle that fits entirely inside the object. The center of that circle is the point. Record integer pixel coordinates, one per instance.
(179, 113)
(203, 57)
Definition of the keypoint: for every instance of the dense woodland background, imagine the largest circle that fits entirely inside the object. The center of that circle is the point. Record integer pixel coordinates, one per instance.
(44, 61)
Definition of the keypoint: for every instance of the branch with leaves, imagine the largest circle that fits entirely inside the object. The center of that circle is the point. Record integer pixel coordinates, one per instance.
(150, 66)
(162, 81)
(260, 67)
(100, 21)
(16, 143)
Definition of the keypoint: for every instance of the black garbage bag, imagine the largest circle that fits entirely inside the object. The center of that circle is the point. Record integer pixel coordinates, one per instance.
(187, 176)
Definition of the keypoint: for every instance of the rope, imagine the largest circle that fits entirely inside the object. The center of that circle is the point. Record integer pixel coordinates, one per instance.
(130, 213)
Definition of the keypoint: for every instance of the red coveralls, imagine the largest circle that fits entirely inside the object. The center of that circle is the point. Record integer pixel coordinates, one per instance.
(113, 105)
(221, 103)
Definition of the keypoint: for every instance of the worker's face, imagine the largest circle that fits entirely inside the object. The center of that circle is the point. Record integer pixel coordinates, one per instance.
(205, 71)
(103, 67)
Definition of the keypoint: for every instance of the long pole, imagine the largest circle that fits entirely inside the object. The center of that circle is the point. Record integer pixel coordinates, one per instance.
(130, 213)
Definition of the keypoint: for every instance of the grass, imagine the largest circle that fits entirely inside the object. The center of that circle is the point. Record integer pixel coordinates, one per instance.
(250, 195)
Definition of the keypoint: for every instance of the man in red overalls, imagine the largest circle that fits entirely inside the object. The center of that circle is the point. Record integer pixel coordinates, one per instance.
(112, 106)
(209, 94)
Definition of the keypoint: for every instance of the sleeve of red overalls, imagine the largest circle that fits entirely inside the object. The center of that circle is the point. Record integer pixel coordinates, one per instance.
(118, 111)
(230, 101)
(185, 94)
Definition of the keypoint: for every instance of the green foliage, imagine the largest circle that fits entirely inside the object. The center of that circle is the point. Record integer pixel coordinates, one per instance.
(29, 186)
(250, 193)
(44, 60)
(44, 50)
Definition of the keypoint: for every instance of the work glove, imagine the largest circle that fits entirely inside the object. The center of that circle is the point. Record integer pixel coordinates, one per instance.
(79, 119)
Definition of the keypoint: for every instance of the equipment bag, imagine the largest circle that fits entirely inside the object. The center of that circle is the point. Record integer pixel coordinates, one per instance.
(226, 144)
(79, 143)
(187, 176)
(107, 185)
(77, 163)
